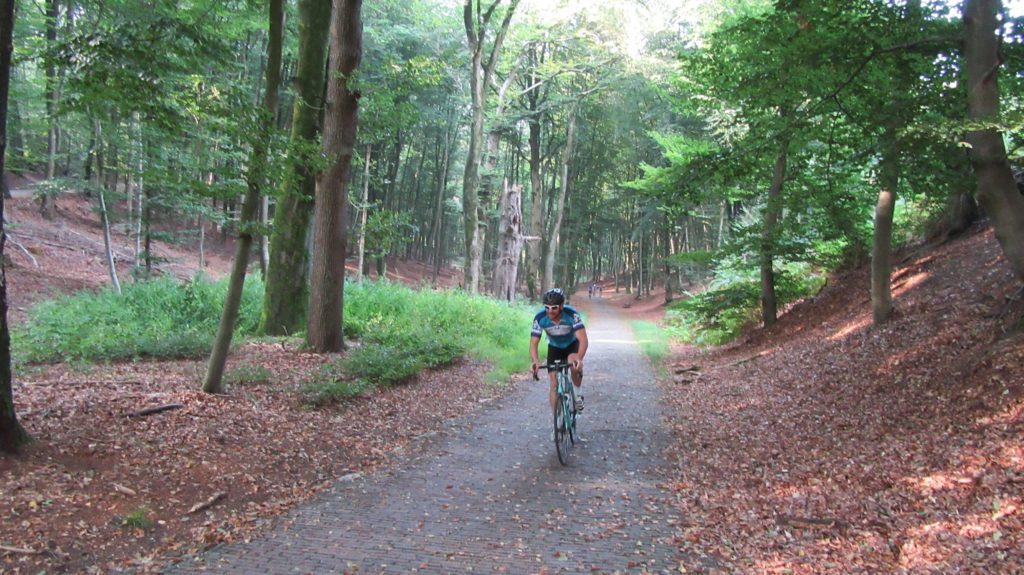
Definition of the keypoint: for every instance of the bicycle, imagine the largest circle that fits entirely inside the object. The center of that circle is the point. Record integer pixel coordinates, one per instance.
(565, 409)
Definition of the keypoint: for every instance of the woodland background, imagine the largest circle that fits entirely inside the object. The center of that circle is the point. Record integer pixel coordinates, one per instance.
(730, 159)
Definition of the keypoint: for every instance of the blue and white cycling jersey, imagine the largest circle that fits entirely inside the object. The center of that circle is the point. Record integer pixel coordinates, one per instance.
(561, 334)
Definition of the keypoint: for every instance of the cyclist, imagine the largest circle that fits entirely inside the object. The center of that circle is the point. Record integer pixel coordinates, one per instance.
(567, 341)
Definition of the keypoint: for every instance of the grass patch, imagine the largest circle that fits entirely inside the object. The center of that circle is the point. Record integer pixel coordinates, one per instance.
(402, 331)
(653, 342)
(138, 519)
(162, 318)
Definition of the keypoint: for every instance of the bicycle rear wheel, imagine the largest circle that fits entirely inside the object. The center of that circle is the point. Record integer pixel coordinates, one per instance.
(561, 430)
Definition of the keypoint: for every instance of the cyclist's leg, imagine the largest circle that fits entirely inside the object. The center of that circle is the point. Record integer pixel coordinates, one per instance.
(554, 354)
(577, 375)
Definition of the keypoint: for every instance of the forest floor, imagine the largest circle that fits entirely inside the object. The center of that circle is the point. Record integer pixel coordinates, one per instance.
(821, 445)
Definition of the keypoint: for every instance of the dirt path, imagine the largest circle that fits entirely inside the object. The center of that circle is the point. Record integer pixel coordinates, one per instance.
(489, 496)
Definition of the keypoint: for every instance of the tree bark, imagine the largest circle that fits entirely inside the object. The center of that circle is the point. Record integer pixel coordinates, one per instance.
(214, 382)
(997, 192)
(772, 211)
(285, 296)
(881, 266)
(363, 209)
(48, 200)
(476, 22)
(510, 243)
(556, 218)
(12, 434)
(324, 332)
(107, 244)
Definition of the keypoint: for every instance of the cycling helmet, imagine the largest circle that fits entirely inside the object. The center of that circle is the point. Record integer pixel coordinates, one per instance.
(554, 296)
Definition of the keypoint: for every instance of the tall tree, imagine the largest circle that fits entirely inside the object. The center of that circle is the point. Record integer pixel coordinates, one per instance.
(285, 295)
(326, 301)
(48, 199)
(483, 61)
(214, 382)
(12, 435)
(997, 192)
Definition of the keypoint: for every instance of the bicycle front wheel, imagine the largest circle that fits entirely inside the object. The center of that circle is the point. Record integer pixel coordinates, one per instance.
(562, 430)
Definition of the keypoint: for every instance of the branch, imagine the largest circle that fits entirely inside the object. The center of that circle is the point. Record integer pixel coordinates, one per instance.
(22, 248)
(208, 503)
(153, 410)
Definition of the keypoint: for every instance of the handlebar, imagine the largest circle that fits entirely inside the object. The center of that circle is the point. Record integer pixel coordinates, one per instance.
(558, 365)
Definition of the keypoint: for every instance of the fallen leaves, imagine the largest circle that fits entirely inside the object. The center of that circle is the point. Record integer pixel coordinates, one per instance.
(212, 471)
(833, 446)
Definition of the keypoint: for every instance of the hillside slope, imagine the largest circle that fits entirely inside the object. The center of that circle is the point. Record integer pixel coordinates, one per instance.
(829, 445)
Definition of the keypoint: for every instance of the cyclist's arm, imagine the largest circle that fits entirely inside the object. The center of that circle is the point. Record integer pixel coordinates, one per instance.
(581, 335)
(534, 342)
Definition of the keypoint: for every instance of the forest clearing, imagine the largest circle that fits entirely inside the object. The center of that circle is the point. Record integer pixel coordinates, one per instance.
(268, 269)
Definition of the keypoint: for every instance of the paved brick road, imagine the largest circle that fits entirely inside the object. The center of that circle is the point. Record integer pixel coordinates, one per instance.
(489, 496)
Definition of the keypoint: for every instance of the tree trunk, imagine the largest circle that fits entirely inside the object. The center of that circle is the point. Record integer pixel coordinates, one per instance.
(363, 209)
(556, 219)
(214, 382)
(510, 243)
(285, 295)
(666, 249)
(264, 238)
(997, 192)
(108, 248)
(534, 249)
(881, 266)
(48, 200)
(772, 211)
(476, 22)
(324, 331)
(12, 435)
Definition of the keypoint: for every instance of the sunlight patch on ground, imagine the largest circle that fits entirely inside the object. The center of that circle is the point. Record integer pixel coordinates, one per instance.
(617, 341)
(850, 328)
(910, 283)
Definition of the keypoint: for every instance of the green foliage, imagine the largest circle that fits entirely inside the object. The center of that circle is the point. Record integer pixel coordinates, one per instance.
(162, 318)
(733, 301)
(388, 231)
(138, 519)
(247, 373)
(653, 341)
(403, 331)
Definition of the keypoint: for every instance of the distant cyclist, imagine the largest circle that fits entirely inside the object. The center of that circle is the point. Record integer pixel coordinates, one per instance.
(567, 341)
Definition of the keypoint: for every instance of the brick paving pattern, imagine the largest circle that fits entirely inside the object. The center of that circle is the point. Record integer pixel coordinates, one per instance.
(488, 495)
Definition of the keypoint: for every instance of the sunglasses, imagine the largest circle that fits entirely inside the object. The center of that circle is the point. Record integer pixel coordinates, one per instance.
(552, 307)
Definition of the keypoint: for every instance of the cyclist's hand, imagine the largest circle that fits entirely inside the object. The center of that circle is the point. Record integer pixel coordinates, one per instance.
(533, 369)
(578, 365)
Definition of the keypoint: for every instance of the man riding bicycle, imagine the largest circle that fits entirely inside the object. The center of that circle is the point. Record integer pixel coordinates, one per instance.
(567, 341)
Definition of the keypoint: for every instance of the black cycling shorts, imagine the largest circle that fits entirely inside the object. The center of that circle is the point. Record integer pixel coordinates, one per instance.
(559, 354)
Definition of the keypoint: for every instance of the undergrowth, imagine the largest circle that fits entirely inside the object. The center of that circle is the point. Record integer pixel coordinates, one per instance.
(401, 331)
(395, 331)
(732, 303)
(160, 318)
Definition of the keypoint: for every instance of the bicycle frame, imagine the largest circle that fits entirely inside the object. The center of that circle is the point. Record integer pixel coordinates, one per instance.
(565, 409)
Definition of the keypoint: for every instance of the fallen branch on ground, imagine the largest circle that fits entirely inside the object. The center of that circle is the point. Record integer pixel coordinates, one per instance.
(20, 550)
(157, 409)
(22, 248)
(208, 503)
(811, 522)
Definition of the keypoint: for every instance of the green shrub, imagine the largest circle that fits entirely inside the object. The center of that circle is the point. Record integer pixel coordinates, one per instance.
(247, 373)
(720, 313)
(160, 318)
(402, 331)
